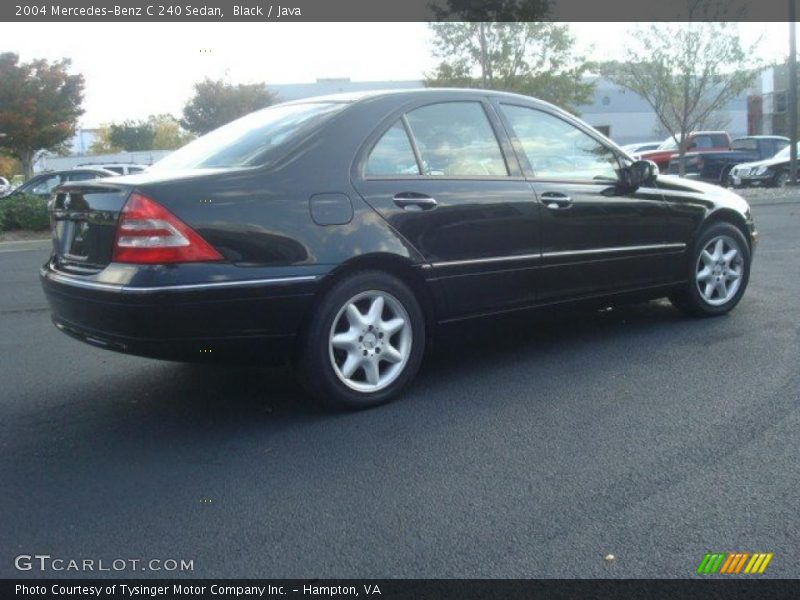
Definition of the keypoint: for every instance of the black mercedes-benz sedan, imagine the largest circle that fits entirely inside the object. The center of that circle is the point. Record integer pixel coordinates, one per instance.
(339, 231)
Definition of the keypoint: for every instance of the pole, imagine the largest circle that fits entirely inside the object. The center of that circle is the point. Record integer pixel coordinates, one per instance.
(792, 92)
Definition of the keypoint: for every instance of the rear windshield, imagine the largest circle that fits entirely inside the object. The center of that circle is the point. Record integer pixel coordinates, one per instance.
(244, 142)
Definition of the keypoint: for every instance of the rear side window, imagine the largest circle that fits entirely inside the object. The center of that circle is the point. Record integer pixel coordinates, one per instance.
(701, 141)
(392, 155)
(245, 142)
(745, 144)
(719, 140)
(82, 176)
(455, 139)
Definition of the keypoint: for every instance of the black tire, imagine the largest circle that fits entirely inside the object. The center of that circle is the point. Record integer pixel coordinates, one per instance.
(689, 299)
(781, 179)
(316, 360)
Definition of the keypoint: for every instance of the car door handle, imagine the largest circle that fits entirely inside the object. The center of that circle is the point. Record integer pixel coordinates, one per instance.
(556, 200)
(414, 201)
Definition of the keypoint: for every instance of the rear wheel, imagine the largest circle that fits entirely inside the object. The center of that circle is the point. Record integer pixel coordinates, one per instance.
(719, 270)
(365, 341)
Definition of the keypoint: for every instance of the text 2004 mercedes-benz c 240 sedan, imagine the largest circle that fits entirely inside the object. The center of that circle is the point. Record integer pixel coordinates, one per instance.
(339, 231)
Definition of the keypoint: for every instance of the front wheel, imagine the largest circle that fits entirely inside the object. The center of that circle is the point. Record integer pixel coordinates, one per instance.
(365, 341)
(719, 270)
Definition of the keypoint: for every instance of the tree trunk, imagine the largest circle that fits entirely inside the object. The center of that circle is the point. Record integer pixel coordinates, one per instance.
(485, 74)
(26, 161)
(681, 160)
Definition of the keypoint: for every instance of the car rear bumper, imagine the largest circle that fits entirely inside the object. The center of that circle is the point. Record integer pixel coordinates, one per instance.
(751, 179)
(236, 319)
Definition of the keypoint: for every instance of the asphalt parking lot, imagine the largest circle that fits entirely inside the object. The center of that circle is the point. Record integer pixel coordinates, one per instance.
(525, 449)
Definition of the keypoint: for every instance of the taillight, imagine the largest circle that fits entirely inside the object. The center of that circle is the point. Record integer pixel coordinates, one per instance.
(148, 233)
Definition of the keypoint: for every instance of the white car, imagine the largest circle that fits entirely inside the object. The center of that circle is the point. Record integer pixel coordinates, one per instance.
(634, 149)
(5, 186)
(120, 168)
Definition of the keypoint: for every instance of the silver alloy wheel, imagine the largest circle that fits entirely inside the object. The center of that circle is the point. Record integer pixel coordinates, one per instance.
(719, 270)
(370, 341)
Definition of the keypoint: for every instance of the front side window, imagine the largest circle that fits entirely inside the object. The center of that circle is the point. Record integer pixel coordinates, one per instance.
(556, 149)
(745, 144)
(392, 155)
(455, 139)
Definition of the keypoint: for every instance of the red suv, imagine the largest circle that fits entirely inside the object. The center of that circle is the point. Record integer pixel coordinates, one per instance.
(696, 141)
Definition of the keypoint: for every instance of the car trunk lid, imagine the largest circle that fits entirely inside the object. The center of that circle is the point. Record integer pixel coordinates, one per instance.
(83, 220)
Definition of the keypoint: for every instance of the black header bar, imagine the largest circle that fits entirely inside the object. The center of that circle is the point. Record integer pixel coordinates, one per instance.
(283, 11)
(402, 589)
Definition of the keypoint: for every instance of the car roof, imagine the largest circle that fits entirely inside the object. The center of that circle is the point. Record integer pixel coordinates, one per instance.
(353, 97)
(110, 164)
(98, 170)
(761, 137)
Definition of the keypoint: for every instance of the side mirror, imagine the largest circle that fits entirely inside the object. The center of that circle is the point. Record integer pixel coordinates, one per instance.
(639, 173)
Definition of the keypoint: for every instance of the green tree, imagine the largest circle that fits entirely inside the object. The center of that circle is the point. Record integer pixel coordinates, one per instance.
(131, 136)
(9, 166)
(158, 132)
(167, 133)
(216, 103)
(40, 103)
(533, 58)
(101, 144)
(686, 72)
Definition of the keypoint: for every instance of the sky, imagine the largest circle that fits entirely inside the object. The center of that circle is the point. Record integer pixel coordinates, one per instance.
(133, 70)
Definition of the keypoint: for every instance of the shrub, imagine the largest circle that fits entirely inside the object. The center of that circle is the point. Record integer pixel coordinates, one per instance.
(23, 211)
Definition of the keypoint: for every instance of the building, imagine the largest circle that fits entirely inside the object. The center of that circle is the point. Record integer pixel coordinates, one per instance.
(79, 155)
(627, 118)
(768, 102)
(623, 116)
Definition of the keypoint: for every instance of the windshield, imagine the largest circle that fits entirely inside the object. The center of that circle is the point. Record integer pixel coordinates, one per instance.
(784, 154)
(243, 142)
(668, 144)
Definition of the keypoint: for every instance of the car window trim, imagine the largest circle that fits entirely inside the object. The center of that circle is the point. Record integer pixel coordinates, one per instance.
(513, 168)
(480, 103)
(411, 142)
(530, 174)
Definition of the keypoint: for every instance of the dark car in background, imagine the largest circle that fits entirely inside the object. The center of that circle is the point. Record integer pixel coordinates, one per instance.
(696, 141)
(340, 232)
(772, 172)
(715, 166)
(44, 183)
